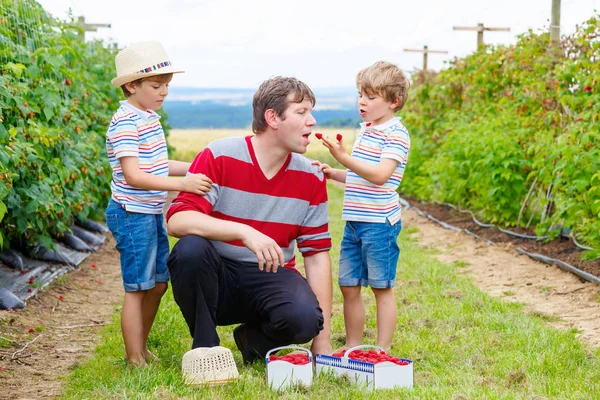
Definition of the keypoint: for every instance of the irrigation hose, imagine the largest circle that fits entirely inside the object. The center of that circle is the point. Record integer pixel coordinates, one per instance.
(536, 256)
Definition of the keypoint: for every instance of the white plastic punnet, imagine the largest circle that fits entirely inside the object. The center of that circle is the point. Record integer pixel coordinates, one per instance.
(282, 374)
(383, 375)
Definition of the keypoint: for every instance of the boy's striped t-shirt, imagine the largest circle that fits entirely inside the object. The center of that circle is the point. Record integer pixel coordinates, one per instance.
(365, 201)
(290, 208)
(136, 133)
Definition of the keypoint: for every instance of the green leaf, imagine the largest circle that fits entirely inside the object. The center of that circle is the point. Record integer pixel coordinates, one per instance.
(16, 69)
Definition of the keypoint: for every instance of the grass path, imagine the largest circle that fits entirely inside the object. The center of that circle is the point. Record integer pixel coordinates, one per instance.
(465, 345)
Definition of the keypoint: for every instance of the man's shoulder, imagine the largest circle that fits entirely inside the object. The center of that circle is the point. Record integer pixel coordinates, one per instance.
(235, 147)
(303, 164)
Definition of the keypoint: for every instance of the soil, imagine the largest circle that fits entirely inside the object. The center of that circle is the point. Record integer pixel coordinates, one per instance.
(66, 319)
(66, 331)
(561, 248)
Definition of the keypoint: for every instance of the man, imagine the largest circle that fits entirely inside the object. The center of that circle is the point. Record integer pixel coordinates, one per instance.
(235, 260)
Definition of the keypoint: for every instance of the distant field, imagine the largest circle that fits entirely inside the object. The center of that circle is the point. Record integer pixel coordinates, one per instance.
(189, 142)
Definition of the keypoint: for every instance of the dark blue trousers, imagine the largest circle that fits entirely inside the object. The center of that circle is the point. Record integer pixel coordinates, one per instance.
(279, 308)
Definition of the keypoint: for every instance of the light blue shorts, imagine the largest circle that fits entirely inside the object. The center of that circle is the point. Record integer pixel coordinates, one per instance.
(143, 244)
(369, 254)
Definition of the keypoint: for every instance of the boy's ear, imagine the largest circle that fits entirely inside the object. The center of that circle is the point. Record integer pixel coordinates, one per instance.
(272, 118)
(130, 86)
(395, 103)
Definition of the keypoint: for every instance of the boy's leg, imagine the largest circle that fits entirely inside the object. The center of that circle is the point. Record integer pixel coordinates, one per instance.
(352, 274)
(150, 306)
(381, 252)
(354, 315)
(136, 241)
(387, 316)
(132, 327)
(161, 276)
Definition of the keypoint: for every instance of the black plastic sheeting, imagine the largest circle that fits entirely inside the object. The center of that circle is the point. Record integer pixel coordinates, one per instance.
(536, 256)
(26, 276)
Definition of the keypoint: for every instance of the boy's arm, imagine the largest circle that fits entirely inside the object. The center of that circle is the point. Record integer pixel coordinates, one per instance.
(193, 183)
(178, 168)
(377, 174)
(338, 175)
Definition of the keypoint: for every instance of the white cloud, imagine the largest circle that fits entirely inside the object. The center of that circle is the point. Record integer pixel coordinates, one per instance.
(239, 43)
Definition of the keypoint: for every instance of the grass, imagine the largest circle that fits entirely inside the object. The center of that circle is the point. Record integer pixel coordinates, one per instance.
(465, 345)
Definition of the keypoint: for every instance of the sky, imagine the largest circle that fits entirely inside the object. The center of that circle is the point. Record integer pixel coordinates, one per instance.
(240, 43)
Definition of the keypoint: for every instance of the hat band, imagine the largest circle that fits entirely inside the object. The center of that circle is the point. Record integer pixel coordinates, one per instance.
(156, 66)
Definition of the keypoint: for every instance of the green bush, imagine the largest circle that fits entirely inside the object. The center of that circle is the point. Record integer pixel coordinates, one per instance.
(509, 121)
(56, 101)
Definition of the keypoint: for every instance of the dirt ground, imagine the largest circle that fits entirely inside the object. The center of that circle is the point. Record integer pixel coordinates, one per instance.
(65, 319)
(66, 331)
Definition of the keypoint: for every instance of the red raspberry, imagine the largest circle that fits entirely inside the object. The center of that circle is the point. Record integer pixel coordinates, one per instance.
(31, 330)
(339, 137)
(319, 135)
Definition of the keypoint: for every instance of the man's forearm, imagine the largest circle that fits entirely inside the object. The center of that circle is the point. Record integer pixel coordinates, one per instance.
(196, 223)
(318, 275)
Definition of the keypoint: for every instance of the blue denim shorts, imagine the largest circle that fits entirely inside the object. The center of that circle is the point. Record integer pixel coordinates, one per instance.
(369, 254)
(143, 244)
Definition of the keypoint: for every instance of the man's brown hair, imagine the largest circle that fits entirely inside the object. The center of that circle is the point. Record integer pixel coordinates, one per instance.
(277, 93)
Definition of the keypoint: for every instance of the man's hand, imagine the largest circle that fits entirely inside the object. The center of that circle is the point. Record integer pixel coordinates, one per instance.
(199, 184)
(266, 249)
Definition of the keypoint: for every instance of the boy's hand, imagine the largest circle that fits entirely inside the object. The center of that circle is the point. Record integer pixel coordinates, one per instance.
(337, 150)
(327, 170)
(199, 184)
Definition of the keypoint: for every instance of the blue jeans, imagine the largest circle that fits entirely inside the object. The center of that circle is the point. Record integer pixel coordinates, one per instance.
(143, 244)
(369, 254)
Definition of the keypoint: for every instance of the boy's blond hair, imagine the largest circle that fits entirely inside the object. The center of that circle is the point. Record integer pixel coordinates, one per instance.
(386, 80)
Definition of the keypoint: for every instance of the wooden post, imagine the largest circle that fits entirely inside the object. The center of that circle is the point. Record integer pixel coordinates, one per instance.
(90, 27)
(555, 22)
(425, 52)
(479, 35)
(480, 28)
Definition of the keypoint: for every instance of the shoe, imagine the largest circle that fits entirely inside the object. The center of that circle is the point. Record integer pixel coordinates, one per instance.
(241, 341)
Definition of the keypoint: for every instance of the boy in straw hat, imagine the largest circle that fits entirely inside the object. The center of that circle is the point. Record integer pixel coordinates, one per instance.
(137, 151)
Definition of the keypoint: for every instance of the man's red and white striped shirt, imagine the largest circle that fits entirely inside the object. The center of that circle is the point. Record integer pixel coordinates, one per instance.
(290, 208)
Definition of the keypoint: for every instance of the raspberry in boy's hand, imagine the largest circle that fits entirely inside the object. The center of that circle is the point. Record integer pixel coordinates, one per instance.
(339, 137)
(318, 135)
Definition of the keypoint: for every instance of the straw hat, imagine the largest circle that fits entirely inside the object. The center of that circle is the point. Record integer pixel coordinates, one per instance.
(141, 60)
(211, 365)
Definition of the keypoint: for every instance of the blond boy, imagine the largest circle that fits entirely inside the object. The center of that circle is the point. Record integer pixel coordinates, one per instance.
(369, 249)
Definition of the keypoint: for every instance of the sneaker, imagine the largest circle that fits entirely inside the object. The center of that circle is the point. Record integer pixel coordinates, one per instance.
(241, 341)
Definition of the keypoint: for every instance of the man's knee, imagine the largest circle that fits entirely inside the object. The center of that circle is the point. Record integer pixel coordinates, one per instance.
(300, 323)
(189, 250)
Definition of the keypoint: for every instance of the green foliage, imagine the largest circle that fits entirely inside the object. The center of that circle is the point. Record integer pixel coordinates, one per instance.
(56, 100)
(512, 133)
